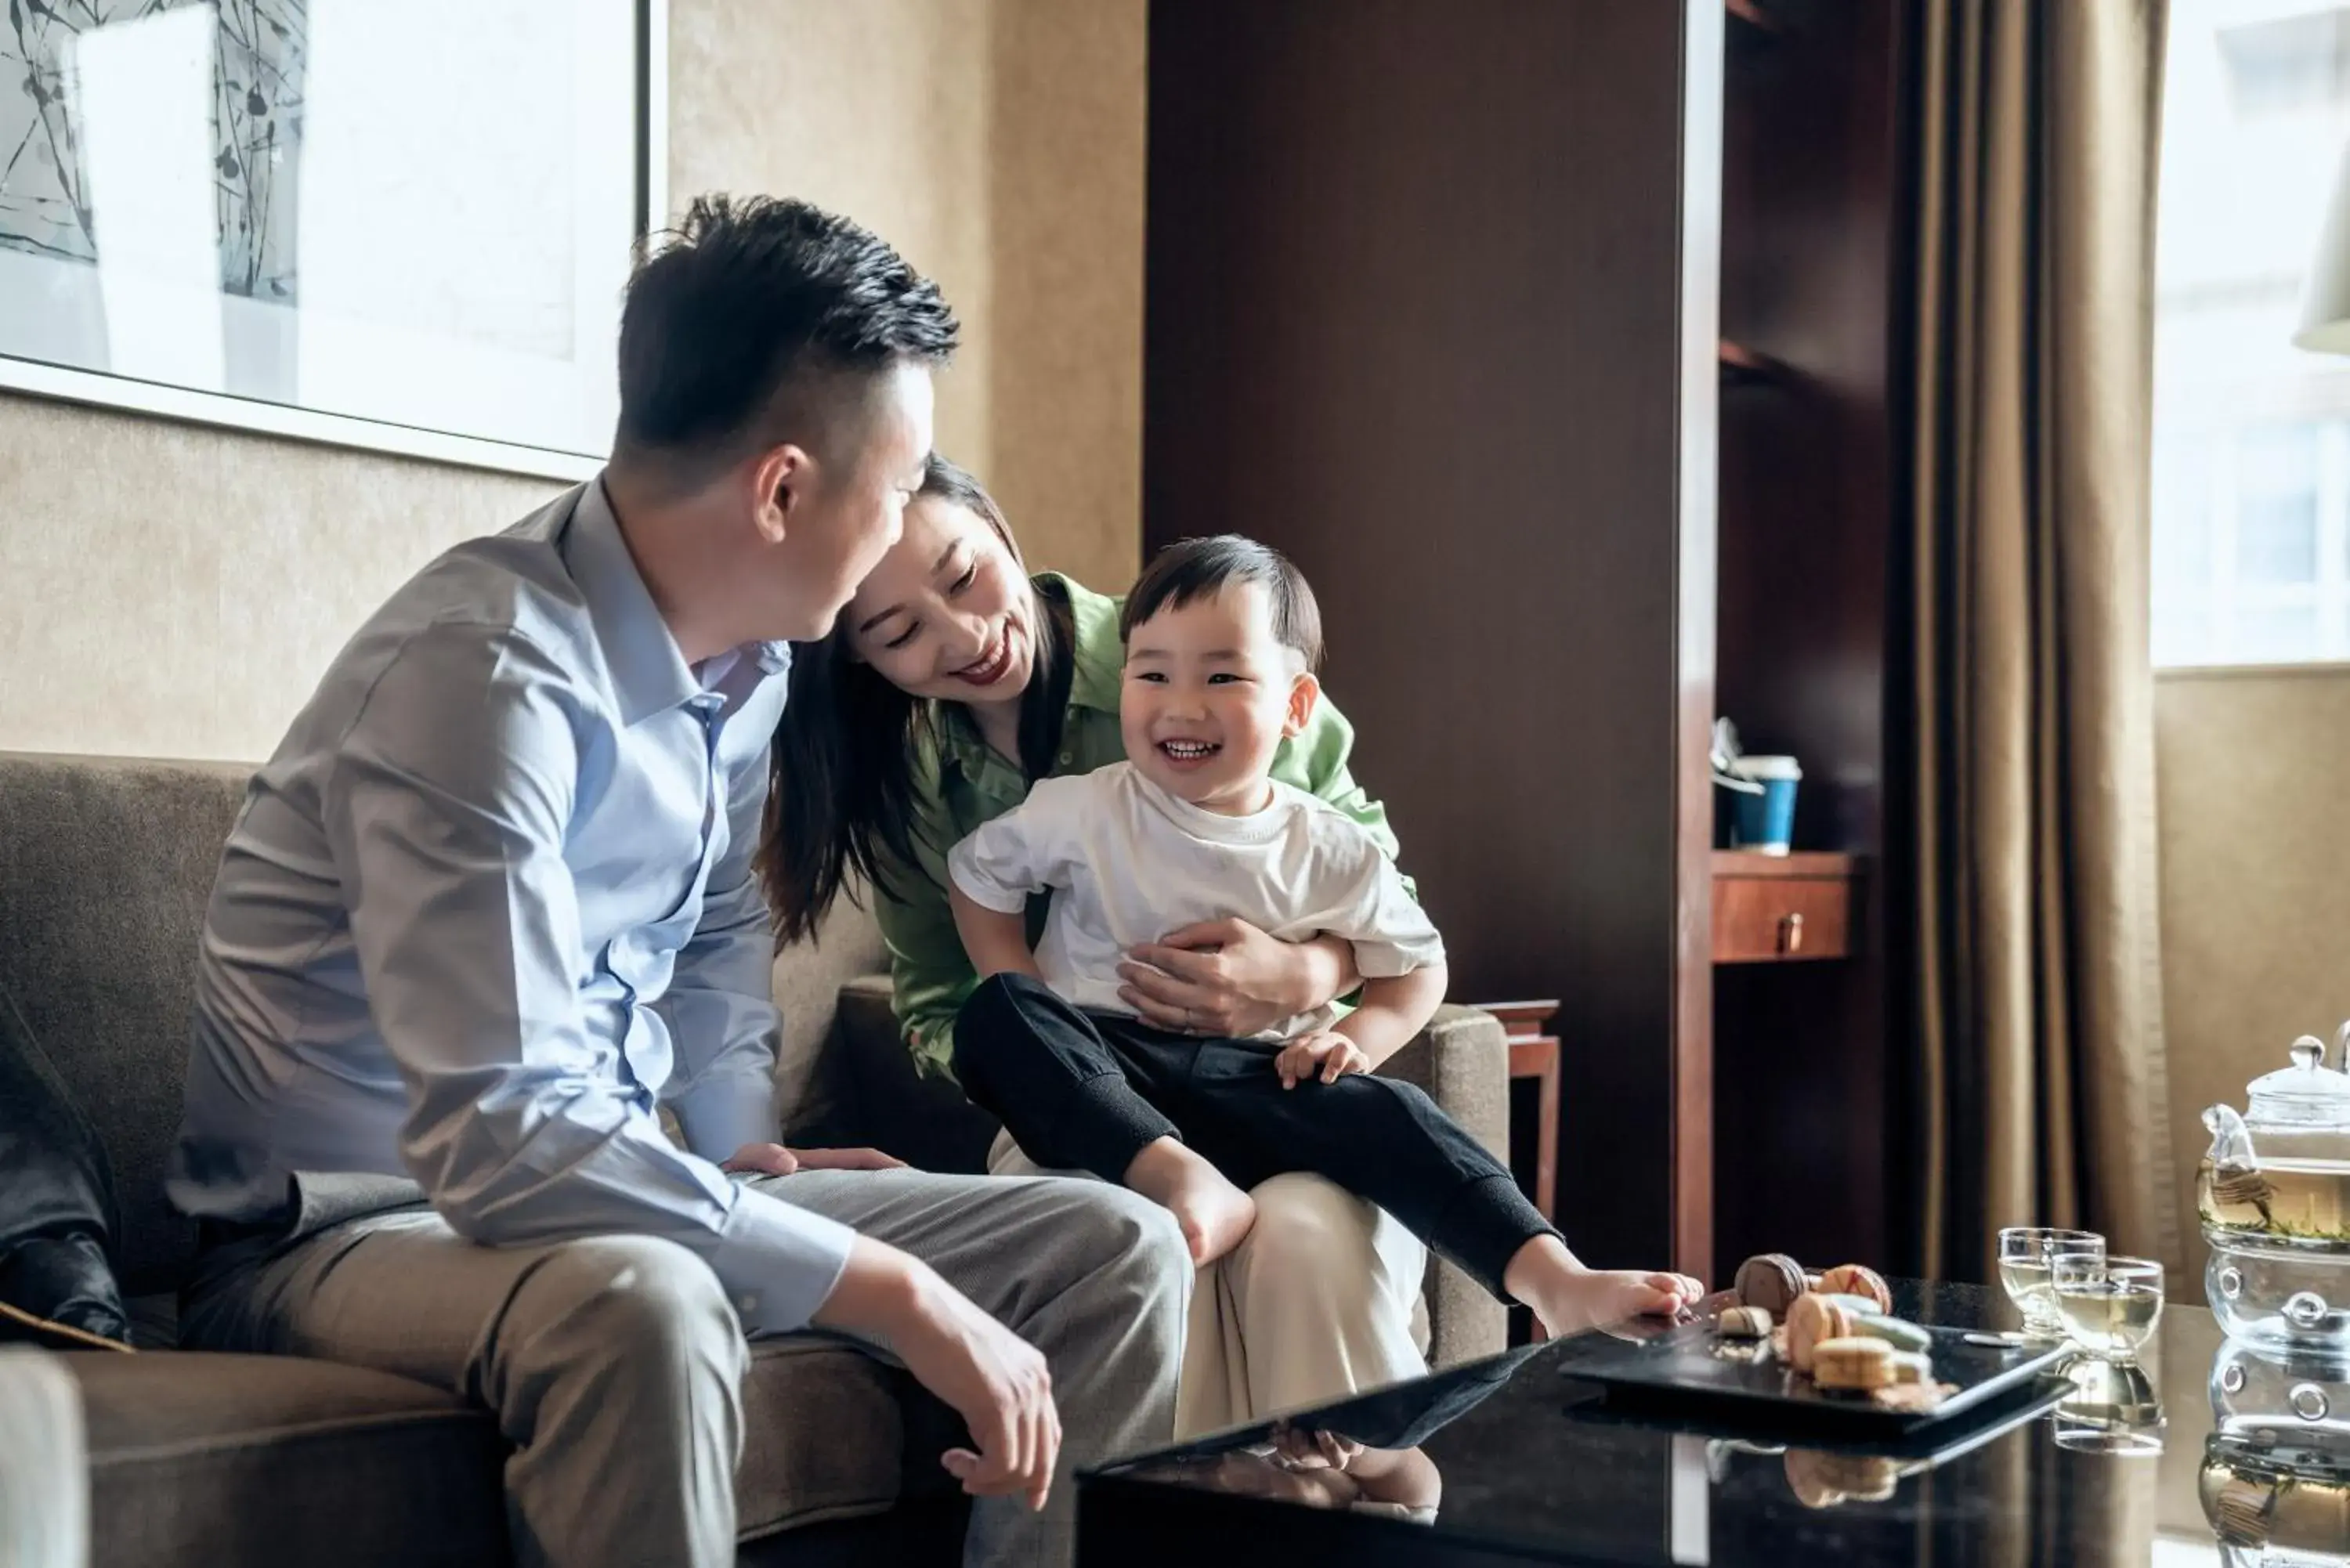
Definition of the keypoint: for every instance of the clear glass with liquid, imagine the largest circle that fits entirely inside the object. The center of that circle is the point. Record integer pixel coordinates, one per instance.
(2109, 1306)
(2025, 1255)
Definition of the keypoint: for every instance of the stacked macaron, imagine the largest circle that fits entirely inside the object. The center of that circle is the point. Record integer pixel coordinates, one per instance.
(1836, 1327)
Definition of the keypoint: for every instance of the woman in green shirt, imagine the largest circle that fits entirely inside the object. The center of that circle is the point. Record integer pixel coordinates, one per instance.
(955, 681)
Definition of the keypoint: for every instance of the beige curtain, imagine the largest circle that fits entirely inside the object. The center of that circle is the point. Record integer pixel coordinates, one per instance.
(2040, 1081)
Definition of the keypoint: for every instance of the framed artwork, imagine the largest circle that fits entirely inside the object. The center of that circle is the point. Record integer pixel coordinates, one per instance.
(399, 224)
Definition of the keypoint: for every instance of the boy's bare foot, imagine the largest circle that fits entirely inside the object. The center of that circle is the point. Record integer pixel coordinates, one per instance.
(1214, 1214)
(1570, 1298)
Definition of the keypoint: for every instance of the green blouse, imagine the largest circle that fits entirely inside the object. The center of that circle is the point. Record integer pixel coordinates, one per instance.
(961, 782)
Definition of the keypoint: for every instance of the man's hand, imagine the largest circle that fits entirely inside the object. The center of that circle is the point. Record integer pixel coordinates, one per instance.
(996, 1381)
(1227, 978)
(1323, 1054)
(774, 1159)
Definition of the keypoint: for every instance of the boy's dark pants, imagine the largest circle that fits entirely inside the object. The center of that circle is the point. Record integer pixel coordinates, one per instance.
(1086, 1091)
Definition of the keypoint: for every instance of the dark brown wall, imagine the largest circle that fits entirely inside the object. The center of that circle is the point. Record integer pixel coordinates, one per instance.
(1413, 286)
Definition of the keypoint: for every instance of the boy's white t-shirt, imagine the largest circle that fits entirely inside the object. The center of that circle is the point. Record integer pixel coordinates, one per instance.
(1127, 863)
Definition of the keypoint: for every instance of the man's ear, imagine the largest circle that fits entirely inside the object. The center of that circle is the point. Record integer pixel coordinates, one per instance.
(1304, 692)
(780, 479)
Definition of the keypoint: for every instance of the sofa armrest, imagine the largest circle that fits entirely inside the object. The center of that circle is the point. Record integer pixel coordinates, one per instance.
(1463, 1061)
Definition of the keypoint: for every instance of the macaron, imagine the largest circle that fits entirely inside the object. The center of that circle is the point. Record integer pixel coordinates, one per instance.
(1857, 1279)
(1771, 1281)
(1743, 1323)
(1899, 1333)
(1851, 1303)
(1812, 1320)
(1823, 1480)
(1913, 1366)
(1856, 1365)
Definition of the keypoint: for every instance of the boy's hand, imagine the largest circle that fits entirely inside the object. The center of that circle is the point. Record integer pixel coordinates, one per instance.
(1324, 1054)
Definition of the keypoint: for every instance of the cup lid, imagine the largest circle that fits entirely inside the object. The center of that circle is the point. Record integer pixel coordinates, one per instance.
(1769, 767)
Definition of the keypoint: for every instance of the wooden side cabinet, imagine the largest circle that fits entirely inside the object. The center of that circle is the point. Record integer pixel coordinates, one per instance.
(1778, 908)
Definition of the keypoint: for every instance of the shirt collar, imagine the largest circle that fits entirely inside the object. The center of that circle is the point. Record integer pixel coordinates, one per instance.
(1101, 654)
(1093, 683)
(649, 672)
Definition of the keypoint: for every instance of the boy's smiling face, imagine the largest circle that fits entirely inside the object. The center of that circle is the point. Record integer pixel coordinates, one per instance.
(1209, 694)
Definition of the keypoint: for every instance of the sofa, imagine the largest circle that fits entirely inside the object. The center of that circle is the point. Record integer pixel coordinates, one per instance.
(104, 867)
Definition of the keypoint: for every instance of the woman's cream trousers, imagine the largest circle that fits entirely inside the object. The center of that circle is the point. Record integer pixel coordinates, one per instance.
(1322, 1301)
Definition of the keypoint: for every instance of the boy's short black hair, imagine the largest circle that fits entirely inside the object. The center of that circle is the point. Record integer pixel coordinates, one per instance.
(748, 295)
(1196, 568)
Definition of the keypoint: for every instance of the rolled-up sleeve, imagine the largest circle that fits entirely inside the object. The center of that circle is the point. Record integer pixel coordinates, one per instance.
(445, 810)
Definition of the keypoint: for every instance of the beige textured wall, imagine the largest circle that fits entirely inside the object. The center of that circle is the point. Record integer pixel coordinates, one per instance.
(2254, 768)
(174, 590)
(999, 144)
(1068, 126)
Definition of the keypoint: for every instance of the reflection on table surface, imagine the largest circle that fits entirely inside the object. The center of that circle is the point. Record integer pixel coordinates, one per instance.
(2200, 1453)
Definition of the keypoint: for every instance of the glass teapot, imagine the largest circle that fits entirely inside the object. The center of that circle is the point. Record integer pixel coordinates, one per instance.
(2274, 1196)
(2280, 1172)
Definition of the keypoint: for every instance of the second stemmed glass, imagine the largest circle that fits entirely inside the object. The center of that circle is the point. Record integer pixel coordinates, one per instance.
(2025, 1255)
(2109, 1306)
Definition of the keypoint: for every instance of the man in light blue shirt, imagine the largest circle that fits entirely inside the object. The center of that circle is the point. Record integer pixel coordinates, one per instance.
(490, 907)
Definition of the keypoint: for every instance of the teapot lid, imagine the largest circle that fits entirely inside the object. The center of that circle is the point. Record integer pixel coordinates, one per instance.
(2308, 1093)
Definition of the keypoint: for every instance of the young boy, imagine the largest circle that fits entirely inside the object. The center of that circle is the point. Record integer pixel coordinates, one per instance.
(1223, 637)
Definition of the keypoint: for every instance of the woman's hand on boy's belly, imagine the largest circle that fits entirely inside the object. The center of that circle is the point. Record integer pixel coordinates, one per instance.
(1220, 977)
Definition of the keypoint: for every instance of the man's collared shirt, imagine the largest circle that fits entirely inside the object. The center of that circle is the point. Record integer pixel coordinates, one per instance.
(490, 904)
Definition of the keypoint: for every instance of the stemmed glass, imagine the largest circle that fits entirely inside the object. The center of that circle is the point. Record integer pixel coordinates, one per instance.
(2108, 1306)
(2026, 1254)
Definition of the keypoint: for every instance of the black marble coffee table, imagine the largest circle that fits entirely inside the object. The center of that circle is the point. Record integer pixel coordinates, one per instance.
(1528, 1477)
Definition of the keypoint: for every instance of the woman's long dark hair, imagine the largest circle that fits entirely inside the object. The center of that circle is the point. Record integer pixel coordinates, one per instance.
(841, 798)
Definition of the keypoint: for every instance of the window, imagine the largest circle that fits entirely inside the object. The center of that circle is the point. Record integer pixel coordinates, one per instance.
(2282, 64)
(2251, 436)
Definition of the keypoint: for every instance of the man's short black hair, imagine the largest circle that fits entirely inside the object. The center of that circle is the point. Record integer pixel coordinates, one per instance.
(1198, 569)
(748, 294)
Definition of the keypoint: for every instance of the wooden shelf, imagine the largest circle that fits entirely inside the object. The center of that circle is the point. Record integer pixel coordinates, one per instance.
(1742, 365)
(1808, 863)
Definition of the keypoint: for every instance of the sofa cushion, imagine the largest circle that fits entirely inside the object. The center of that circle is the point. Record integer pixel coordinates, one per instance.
(106, 866)
(260, 1460)
(807, 980)
(830, 1433)
(868, 1092)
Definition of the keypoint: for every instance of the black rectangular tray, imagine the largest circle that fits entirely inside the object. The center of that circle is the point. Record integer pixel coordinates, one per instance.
(1672, 1371)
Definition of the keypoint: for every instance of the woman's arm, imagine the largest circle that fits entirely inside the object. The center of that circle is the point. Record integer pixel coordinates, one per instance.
(931, 976)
